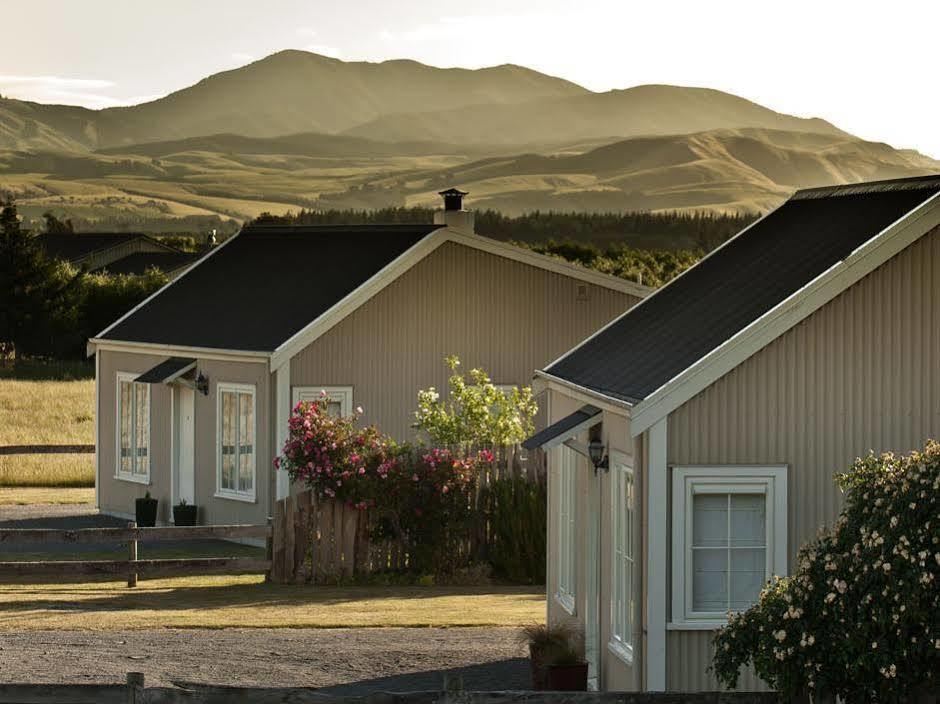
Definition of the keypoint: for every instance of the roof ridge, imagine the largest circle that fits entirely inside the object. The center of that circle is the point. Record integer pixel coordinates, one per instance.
(911, 183)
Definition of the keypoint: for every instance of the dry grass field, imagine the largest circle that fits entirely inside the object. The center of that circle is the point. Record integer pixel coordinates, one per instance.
(247, 601)
(47, 412)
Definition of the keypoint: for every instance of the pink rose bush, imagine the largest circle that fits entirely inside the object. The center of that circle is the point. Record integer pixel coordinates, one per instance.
(422, 497)
(860, 618)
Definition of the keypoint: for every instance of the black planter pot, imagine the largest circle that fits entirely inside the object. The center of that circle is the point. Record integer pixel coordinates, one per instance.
(185, 514)
(567, 678)
(145, 511)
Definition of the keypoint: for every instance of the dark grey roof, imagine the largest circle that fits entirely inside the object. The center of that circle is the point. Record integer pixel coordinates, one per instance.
(266, 284)
(566, 426)
(167, 370)
(73, 247)
(724, 293)
(140, 262)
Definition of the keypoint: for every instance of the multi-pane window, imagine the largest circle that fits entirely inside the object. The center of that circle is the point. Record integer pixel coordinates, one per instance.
(338, 398)
(133, 428)
(236, 451)
(566, 479)
(729, 538)
(622, 566)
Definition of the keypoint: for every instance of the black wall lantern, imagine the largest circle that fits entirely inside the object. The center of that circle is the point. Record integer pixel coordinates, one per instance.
(202, 383)
(597, 455)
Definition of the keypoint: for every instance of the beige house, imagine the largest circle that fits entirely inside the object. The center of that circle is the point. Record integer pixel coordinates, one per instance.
(195, 385)
(718, 411)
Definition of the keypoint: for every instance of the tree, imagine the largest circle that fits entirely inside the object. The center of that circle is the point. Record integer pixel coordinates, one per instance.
(477, 412)
(36, 292)
(54, 226)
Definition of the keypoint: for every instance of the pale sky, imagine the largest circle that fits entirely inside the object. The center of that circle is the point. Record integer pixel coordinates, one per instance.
(870, 68)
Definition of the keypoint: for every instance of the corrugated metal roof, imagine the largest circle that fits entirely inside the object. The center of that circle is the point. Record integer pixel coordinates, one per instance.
(73, 247)
(723, 294)
(140, 262)
(265, 285)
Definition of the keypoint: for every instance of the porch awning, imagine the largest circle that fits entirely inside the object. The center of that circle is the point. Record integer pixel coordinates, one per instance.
(167, 370)
(567, 427)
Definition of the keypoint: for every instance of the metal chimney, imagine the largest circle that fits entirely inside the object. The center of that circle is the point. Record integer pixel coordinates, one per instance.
(453, 215)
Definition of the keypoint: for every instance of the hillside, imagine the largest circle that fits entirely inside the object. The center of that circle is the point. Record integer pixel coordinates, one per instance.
(639, 111)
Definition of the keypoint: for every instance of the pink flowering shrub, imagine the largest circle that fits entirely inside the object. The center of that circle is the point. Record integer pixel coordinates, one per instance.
(422, 498)
(860, 618)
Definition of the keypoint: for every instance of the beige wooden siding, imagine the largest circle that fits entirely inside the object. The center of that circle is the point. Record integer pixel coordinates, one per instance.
(507, 317)
(117, 496)
(861, 373)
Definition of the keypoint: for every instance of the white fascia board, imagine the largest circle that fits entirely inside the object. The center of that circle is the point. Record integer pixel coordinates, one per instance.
(358, 297)
(90, 348)
(786, 314)
(179, 351)
(584, 395)
(654, 292)
(542, 261)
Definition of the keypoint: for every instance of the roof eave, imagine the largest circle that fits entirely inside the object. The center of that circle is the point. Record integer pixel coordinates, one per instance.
(587, 394)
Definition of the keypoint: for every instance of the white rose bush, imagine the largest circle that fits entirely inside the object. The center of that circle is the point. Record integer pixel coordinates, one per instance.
(860, 618)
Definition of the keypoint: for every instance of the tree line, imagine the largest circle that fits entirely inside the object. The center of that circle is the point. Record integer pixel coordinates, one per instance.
(48, 308)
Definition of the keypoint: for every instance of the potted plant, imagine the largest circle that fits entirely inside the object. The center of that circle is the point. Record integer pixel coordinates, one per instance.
(543, 639)
(184, 514)
(145, 510)
(566, 670)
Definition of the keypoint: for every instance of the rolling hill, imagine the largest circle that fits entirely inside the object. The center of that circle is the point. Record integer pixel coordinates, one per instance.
(298, 130)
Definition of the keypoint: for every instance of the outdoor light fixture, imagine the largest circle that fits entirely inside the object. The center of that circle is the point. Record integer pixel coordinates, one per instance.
(202, 384)
(597, 455)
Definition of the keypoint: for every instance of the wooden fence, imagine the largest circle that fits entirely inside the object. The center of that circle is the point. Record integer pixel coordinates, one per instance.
(321, 540)
(133, 567)
(135, 692)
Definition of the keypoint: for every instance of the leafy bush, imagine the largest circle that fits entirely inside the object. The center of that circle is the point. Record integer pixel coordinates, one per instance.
(477, 413)
(861, 616)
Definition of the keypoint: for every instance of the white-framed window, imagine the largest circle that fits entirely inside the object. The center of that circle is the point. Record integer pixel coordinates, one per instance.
(236, 438)
(623, 556)
(566, 495)
(729, 538)
(339, 399)
(133, 429)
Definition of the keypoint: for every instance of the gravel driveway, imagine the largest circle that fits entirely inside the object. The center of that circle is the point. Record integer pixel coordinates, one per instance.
(343, 661)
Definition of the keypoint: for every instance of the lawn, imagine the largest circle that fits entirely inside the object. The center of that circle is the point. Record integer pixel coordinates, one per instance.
(247, 601)
(47, 412)
(26, 496)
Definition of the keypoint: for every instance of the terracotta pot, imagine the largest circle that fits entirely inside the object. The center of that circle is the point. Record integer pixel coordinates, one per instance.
(567, 678)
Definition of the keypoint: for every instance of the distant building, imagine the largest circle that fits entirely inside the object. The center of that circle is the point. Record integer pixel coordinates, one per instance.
(724, 404)
(117, 252)
(195, 386)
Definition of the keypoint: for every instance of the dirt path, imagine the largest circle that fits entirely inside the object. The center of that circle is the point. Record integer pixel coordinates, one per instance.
(346, 661)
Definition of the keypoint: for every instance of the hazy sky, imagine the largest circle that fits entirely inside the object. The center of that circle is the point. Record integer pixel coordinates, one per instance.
(871, 68)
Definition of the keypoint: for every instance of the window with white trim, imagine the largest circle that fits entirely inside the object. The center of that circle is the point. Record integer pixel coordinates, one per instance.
(236, 441)
(566, 483)
(133, 429)
(623, 556)
(338, 398)
(729, 538)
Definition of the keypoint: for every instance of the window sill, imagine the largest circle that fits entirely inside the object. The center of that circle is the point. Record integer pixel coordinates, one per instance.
(134, 479)
(621, 650)
(244, 498)
(695, 625)
(566, 602)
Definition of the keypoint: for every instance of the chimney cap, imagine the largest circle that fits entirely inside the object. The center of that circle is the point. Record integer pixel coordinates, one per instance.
(453, 198)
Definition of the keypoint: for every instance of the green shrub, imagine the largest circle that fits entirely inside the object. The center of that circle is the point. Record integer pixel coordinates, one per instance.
(517, 512)
(860, 618)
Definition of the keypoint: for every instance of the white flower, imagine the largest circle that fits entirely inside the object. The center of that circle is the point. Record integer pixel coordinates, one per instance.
(780, 635)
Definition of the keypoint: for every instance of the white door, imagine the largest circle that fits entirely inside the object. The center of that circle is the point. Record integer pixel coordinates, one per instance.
(592, 634)
(185, 460)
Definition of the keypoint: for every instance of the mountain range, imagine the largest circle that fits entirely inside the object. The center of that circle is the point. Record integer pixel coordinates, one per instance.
(302, 130)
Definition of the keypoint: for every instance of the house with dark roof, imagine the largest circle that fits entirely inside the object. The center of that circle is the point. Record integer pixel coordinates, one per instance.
(195, 385)
(694, 439)
(117, 252)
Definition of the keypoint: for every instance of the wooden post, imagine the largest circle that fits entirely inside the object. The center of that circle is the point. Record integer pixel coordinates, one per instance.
(135, 681)
(132, 558)
(269, 548)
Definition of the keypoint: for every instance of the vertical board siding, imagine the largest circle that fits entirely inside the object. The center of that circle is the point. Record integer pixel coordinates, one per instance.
(505, 316)
(859, 374)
